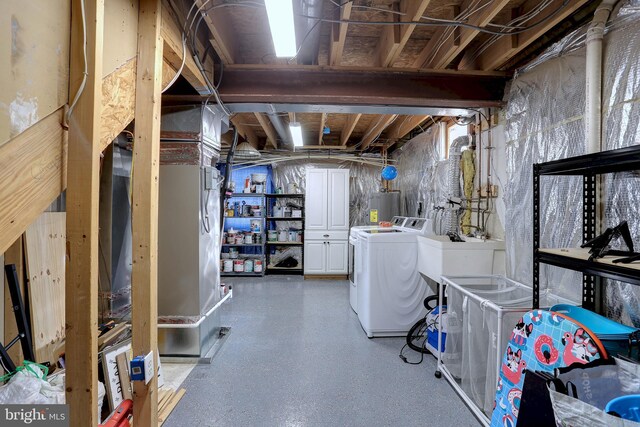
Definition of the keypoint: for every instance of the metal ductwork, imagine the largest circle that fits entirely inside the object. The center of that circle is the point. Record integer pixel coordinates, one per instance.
(308, 30)
(278, 124)
(453, 177)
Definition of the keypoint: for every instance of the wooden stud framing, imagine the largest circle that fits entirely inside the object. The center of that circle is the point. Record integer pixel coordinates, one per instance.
(172, 37)
(413, 10)
(503, 49)
(144, 210)
(339, 35)
(81, 290)
(33, 172)
(323, 120)
(352, 121)
(272, 136)
(376, 128)
(453, 46)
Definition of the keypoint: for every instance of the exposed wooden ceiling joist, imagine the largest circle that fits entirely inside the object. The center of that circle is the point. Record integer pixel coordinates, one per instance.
(339, 35)
(264, 121)
(394, 38)
(172, 52)
(448, 49)
(245, 131)
(352, 121)
(401, 127)
(224, 37)
(506, 47)
(377, 127)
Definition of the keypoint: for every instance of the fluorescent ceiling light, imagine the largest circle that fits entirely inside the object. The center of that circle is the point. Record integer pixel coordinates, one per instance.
(283, 32)
(296, 134)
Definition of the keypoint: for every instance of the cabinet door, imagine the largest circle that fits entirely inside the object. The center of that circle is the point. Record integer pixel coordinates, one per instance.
(338, 184)
(337, 257)
(315, 201)
(315, 256)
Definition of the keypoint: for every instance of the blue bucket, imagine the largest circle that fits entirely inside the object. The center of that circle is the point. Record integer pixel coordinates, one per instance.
(626, 407)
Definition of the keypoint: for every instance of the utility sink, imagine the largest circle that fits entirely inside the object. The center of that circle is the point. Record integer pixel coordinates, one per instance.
(438, 256)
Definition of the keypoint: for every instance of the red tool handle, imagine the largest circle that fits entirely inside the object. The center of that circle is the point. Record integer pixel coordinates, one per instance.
(120, 417)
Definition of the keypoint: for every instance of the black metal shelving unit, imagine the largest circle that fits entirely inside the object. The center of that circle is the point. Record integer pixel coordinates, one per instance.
(588, 166)
(261, 246)
(272, 246)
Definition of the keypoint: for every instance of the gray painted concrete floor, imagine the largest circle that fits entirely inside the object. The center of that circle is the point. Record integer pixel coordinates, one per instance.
(297, 356)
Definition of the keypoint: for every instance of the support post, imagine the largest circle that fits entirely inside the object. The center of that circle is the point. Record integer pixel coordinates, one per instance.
(81, 288)
(144, 210)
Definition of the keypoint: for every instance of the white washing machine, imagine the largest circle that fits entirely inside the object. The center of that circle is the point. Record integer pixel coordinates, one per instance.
(390, 290)
(355, 262)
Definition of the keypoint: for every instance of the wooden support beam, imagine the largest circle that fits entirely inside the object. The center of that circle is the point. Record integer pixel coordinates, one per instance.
(504, 49)
(375, 129)
(323, 120)
(144, 210)
(81, 288)
(389, 52)
(402, 126)
(362, 86)
(222, 32)
(339, 35)
(172, 51)
(33, 172)
(245, 131)
(272, 136)
(449, 49)
(352, 121)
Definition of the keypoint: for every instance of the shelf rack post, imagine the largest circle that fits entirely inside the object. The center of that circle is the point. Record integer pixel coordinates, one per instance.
(591, 285)
(536, 235)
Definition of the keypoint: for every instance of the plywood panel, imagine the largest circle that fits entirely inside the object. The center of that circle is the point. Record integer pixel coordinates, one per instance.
(34, 62)
(45, 242)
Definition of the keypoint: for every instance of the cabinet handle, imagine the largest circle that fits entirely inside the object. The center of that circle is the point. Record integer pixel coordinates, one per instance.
(326, 235)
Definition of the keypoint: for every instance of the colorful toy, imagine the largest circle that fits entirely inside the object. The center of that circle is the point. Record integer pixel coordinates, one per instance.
(557, 341)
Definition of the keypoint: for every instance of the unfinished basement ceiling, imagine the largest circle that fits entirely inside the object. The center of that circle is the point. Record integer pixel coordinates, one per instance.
(360, 61)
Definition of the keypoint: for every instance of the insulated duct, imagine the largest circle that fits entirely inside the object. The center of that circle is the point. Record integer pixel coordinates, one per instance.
(453, 178)
(279, 126)
(593, 110)
(308, 33)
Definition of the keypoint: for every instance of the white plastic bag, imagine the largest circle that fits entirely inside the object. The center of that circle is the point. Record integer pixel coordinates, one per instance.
(29, 386)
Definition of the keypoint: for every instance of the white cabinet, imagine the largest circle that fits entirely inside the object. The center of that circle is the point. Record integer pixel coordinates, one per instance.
(316, 200)
(338, 200)
(337, 256)
(325, 257)
(315, 257)
(327, 221)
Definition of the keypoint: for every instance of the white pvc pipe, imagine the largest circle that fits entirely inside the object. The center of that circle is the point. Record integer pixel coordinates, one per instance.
(195, 325)
(593, 109)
